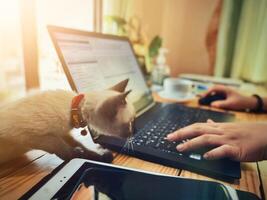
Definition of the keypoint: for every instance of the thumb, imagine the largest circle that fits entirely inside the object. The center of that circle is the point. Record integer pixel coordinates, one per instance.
(220, 104)
(210, 121)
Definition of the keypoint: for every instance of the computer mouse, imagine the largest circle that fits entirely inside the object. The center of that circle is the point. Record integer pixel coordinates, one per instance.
(207, 100)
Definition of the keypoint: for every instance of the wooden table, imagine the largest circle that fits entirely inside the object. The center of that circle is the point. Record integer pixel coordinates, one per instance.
(18, 177)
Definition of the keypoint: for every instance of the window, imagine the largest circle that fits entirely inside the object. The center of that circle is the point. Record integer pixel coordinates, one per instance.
(19, 21)
(73, 14)
(11, 58)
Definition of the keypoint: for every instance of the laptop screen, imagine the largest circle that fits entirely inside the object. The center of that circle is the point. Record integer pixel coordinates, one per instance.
(95, 62)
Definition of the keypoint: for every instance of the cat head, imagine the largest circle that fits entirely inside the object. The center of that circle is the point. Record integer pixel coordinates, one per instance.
(108, 112)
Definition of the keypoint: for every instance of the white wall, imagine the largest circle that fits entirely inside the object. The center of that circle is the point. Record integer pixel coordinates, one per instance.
(183, 25)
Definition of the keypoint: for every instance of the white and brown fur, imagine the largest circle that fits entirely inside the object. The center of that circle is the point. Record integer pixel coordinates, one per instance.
(42, 121)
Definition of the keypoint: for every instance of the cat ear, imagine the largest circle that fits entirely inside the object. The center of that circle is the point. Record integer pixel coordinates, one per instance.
(121, 98)
(120, 87)
(110, 106)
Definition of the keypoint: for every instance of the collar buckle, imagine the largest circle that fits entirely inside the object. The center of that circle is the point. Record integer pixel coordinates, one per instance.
(76, 113)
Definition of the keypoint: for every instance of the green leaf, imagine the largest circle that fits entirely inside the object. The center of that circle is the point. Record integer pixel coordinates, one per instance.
(118, 20)
(154, 46)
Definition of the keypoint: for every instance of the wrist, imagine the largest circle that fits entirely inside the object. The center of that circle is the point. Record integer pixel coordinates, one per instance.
(251, 103)
(265, 154)
(260, 104)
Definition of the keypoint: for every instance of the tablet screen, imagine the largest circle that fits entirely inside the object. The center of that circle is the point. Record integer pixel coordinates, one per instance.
(94, 181)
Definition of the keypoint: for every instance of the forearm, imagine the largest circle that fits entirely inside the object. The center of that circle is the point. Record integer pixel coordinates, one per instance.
(264, 104)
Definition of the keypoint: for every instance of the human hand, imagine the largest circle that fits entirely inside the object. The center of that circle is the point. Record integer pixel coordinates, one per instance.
(241, 141)
(233, 101)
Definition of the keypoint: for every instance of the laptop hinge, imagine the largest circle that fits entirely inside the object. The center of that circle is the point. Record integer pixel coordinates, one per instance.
(145, 109)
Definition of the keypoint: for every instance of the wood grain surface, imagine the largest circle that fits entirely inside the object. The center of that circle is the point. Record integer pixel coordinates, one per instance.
(20, 175)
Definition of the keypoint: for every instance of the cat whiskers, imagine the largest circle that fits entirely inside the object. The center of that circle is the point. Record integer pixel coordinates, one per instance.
(131, 140)
(129, 144)
(124, 146)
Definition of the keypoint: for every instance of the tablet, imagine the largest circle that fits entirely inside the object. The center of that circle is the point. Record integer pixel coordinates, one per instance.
(85, 179)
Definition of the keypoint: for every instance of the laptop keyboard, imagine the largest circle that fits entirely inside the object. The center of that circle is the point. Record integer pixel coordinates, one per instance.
(149, 143)
(154, 132)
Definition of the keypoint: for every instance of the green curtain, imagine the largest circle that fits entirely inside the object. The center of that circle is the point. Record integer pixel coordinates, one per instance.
(242, 41)
(119, 8)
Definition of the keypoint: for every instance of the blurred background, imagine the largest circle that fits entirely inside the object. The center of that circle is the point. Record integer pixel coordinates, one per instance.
(221, 38)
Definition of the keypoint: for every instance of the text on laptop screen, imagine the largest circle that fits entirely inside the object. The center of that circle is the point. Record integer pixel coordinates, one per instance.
(97, 63)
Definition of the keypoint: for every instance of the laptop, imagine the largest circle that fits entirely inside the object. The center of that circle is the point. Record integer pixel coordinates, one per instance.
(94, 61)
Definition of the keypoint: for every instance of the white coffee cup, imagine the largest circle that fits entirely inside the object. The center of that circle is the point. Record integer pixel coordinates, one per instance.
(178, 89)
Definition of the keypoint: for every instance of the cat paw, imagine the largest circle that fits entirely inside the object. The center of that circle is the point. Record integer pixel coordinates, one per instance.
(78, 152)
(107, 156)
(102, 155)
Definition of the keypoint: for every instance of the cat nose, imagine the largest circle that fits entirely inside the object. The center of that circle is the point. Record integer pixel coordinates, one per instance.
(128, 130)
(131, 127)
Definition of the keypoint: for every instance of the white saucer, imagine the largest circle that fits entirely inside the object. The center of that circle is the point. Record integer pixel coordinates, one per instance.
(179, 97)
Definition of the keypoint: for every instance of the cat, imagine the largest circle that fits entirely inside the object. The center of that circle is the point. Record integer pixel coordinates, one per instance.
(44, 121)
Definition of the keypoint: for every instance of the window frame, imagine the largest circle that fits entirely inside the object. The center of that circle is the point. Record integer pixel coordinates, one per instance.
(30, 40)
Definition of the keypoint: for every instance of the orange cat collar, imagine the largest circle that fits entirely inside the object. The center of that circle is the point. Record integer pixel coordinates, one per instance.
(76, 114)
